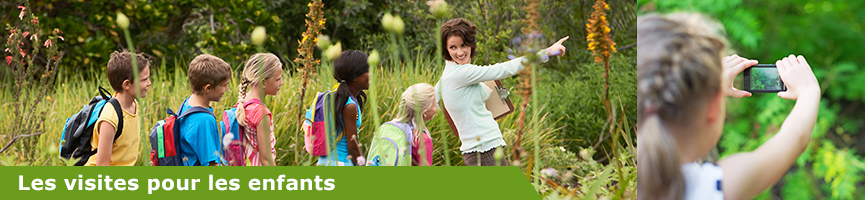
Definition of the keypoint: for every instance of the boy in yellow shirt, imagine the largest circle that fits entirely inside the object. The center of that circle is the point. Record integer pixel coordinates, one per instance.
(122, 151)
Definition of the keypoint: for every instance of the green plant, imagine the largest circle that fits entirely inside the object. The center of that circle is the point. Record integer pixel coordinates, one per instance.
(32, 75)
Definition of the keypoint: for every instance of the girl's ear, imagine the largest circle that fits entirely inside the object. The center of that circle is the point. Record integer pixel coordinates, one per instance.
(715, 109)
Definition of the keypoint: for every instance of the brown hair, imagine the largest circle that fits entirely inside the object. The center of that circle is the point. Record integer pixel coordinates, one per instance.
(679, 70)
(462, 28)
(207, 69)
(258, 68)
(120, 68)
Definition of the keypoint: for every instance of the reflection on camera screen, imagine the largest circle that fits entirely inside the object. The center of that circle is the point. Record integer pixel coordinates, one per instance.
(765, 78)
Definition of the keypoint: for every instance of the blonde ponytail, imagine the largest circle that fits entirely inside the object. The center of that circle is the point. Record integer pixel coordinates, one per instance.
(240, 112)
(658, 168)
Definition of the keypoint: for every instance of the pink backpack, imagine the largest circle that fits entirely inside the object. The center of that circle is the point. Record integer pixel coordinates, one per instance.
(235, 155)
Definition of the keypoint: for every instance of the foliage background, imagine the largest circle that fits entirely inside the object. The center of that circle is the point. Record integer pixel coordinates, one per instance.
(829, 33)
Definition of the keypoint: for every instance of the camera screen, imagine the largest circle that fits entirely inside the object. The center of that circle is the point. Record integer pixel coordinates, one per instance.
(765, 78)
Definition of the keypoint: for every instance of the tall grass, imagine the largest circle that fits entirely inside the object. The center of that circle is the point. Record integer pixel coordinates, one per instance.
(170, 87)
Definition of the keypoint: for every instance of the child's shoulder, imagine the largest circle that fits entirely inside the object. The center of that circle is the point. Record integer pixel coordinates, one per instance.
(351, 100)
(108, 113)
(197, 118)
(702, 180)
(256, 110)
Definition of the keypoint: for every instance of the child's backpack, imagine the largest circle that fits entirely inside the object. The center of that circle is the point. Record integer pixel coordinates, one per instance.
(315, 125)
(235, 155)
(165, 138)
(78, 131)
(391, 145)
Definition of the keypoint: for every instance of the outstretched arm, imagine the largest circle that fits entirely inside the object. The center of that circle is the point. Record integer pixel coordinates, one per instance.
(473, 74)
(749, 174)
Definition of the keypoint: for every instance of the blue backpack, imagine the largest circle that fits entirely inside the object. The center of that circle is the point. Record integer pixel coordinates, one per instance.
(78, 129)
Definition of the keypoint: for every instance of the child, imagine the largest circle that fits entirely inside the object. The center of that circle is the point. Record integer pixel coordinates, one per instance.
(261, 76)
(418, 96)
(463, 92)
(681, 89)
(199, 132)
(351, 71)
(124, 150)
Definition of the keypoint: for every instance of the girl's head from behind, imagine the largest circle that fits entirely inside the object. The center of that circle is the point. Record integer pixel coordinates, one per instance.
(458, 40)
(421, 97)
(351, 71)
(262, 71)
(680, 98)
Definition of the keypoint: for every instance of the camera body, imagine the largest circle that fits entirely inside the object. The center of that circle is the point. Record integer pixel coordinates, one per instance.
(763, 78)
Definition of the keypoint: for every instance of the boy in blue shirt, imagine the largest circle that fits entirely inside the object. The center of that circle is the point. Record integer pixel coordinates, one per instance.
(200, 142)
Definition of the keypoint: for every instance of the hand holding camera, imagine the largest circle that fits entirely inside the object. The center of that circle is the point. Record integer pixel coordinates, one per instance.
(799, 78)
(733, 65)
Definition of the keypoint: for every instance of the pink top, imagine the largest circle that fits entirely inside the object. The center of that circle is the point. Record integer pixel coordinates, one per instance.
(427, 148)
(255, 111)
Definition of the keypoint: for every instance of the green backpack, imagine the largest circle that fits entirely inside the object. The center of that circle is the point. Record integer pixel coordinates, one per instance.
(391, 145)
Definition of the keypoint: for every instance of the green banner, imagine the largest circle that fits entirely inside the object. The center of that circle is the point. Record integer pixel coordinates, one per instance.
(291, 182)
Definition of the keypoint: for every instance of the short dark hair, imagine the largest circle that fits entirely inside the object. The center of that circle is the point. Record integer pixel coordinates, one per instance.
(458, 27)
(120, 68)
(207, 69)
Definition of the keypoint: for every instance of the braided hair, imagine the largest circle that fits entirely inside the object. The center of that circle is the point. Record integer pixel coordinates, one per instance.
(679, 70)
(258, 68)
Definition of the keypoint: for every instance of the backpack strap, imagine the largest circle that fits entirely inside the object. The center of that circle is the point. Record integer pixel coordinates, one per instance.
(196, 109)
(328, 95)
(192, 109)
(184, 113)
(253, 101)
(117, 109)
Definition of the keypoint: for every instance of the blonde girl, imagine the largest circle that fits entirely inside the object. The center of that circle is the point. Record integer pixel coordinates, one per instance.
(682, 85)
(262, 75)
(418, 96)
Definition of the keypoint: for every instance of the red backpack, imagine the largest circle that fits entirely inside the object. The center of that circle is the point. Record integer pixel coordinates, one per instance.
(165, 138)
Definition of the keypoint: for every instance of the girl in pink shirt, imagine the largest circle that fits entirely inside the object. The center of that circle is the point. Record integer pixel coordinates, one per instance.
(262, 75)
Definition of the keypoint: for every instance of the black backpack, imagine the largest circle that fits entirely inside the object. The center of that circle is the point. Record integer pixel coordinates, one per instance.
(78, 131)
